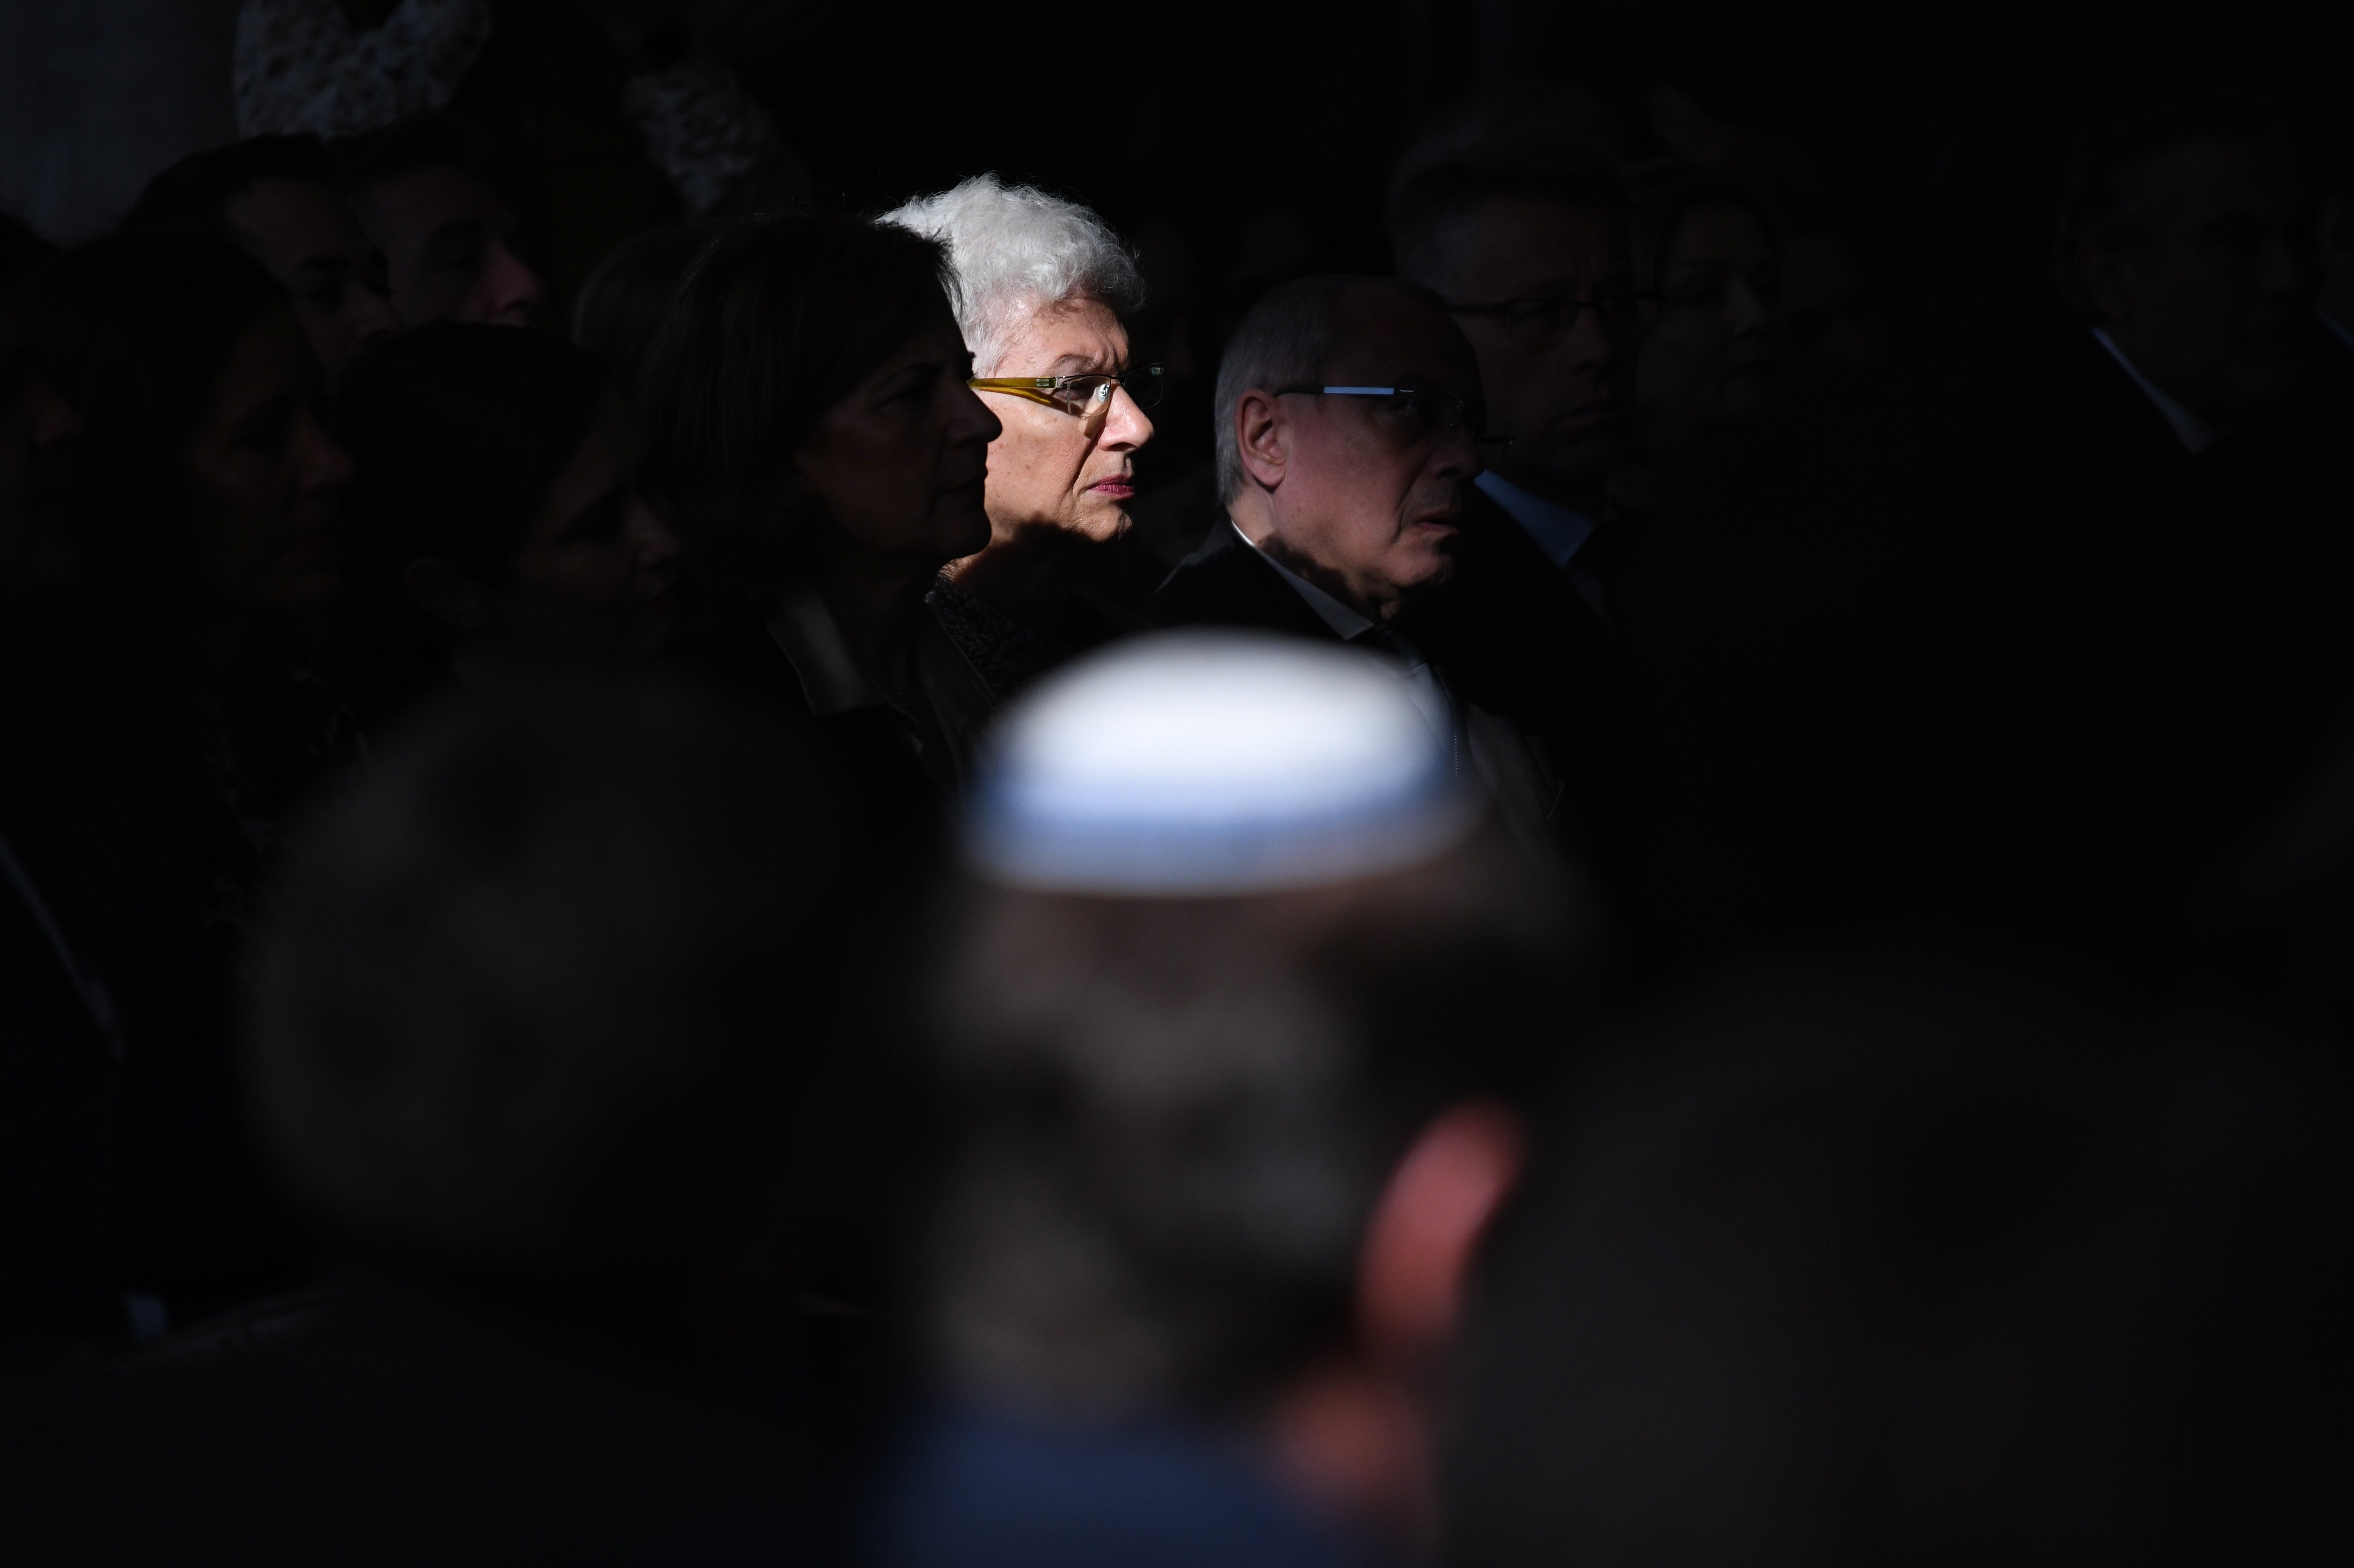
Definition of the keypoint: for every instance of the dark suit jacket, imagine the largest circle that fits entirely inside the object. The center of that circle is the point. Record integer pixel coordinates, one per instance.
(1977, 642)
(1227, 582)
(1518, 638)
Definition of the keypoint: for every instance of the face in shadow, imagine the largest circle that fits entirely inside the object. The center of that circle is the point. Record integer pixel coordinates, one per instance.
(594, 571)
(895, 475)
(449, 245)
(1713, 349)
(305, 235)
(264, 479)
(1558, 365)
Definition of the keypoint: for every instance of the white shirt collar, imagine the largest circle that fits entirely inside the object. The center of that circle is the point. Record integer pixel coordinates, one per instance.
(1559, 531)
(1346, 623)
(2196, 434)
(2345, 333)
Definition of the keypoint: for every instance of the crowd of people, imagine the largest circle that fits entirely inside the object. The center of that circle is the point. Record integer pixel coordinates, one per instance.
(1637, 926)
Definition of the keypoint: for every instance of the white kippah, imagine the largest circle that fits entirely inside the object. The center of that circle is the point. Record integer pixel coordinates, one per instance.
(1201, 763)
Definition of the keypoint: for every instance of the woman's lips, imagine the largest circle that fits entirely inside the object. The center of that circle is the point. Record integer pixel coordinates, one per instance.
(1117, 489)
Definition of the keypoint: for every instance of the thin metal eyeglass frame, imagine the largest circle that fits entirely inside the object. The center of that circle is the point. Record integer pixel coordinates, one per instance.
(1463, 416)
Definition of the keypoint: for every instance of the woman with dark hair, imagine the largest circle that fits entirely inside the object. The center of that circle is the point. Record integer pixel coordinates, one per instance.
(496, 496)
(205, 508)
(825, 459)
(1707, 256)
(621, 305)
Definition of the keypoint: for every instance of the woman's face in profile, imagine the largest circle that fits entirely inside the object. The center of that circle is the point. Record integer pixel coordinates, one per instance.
(1712, 350)
(898, 468)
(596, 568)
(265, 482)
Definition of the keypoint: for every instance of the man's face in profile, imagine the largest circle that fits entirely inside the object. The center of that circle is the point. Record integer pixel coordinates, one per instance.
(2218, 311)
(449, 245)
(1371, 487)
(305, 235)
(1559, 375)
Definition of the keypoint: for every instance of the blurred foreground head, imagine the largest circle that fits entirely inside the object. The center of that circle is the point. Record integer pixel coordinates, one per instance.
(1874, 1264)
(1236, 977)
(554, 989)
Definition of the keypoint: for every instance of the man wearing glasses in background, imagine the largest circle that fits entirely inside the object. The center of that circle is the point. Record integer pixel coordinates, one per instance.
(1527, 242)
(1349, 427)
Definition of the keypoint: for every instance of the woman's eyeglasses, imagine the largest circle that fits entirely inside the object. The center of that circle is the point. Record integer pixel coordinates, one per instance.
(1422, 413)
(1089, 397)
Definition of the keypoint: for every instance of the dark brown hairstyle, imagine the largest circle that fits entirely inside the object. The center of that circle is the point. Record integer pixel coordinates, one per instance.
(779, 319)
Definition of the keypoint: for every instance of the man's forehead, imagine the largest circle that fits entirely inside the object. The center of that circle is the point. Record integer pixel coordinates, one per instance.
(1387, 333)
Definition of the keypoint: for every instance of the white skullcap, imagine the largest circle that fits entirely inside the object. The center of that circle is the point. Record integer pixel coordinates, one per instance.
(1209, 762)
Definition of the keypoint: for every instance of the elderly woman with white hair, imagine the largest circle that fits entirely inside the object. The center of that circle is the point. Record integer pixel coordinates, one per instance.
(1041, 286)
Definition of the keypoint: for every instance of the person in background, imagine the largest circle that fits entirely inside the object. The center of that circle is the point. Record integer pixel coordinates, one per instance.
(1042, 286)
(621, 305)
(556, 1037)
(1856, 1256)
(2185, 243)
(1232, 1001)
(424, 193)
(205, 506)
(495, 490)
(131, 1198)
(617, 115)
(817, 446)
(274, 197)
(1836, 319)
(1527, 243)
(1708, 261)
(1350, 424)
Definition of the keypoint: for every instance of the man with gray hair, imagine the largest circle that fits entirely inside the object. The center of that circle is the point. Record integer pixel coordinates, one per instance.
(1350, 424)
(1226, 1001)
(1041, 286)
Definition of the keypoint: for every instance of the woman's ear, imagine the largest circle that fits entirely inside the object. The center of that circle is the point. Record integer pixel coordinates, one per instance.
(443, 590)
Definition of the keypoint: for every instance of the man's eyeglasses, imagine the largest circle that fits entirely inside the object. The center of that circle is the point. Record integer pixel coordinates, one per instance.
(1089, 397)
(1548, 318)
(1424, 412)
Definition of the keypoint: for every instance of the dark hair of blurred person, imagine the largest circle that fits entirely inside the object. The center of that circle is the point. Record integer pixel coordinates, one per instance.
(33, 552)
(130, 1198)
(426, 194)
(1225, 1009)
(494, 492)
(2333, 170)
(274, 197)
(816, 445)
(1872, 1258)
(621, 305)
(2186, 240)
(205, 509)
(562, 1032)
(1707, 257)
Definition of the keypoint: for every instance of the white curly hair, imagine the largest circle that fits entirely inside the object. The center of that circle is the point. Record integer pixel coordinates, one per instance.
(1015, 250)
